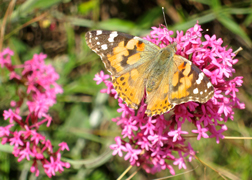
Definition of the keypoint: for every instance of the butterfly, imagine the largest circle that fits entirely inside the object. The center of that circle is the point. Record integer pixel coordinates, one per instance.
(138, 66)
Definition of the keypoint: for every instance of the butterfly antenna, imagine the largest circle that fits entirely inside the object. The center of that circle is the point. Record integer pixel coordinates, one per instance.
(164, 17)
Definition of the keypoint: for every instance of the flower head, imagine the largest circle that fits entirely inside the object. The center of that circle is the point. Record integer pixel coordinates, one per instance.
(40, 90)
(152, 141)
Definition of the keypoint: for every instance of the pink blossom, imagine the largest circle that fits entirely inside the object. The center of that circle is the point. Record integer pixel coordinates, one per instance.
(132, 154)
(35, 170)
(118, 147)
(10, 114)
(180, 162)
(101, 77)
(63, 146)
(37, 138)
(190, 152)
(14, 75)
(144, 143)
(215, 75)
(13, 103)
(37, 153)
(16, 141)
(25, 153)
(39, 90)
(50, 167)
(59, 164)
(158, 138)
(176, 134)
(149, 127)
(201, 132)
(217, 134)
(129, 127)
(5, 131)
(5, 57)
(124, 109)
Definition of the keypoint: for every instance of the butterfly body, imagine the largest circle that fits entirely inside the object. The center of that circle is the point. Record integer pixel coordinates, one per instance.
(161, 64)
(138, 66)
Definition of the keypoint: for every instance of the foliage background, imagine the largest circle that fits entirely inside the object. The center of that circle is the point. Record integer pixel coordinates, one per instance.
(82, 116)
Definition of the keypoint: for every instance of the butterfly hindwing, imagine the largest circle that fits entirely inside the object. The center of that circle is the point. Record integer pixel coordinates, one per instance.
(157, 101)
(130, 86)
(179, 81)
(188, 83)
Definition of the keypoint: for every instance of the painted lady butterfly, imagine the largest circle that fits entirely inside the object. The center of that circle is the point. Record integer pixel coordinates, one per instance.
(138, 66)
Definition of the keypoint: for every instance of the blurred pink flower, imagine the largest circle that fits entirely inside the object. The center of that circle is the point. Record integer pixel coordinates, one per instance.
(118, 147)
(40, 92)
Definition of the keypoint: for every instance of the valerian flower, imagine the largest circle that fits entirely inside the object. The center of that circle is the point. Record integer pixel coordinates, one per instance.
(40, 92)
(161, 138)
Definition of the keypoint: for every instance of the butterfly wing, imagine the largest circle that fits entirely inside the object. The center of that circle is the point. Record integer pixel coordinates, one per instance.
(131, 85)
(188, 83)
(127, 58)
(157, 100)
(181, 82)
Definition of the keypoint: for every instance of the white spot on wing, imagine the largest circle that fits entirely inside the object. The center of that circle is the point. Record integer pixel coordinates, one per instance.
(195, 91)
(201, 75)
(201, 92)
(209, 85)
(104, 46)
(90, 37)
(98, 43)
(96, 38)
(98, 32)
(112, 36)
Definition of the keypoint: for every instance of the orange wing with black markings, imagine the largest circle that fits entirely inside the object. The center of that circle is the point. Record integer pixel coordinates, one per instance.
(131, 85)
(188, 83)
(157, 100)
(120, 52)
(127, 58)
(175, 80)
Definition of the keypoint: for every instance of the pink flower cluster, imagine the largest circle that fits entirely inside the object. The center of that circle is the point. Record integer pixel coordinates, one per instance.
(39, 95)
(157, 142)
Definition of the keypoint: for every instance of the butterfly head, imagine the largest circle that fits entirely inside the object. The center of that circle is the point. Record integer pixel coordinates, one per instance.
(173, 46)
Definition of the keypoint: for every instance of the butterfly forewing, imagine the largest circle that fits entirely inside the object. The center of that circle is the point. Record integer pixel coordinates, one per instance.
(120, 52)
(127, 58)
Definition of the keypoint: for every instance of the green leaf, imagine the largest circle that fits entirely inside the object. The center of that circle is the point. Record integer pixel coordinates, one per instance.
(6, 148)
(30, 5)
(146, 20)
(92, 163)
(85, 7)
(85, 85)
(116, 24)
(81, 22)
(209, 16)
(248, 19)
(233, 27)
